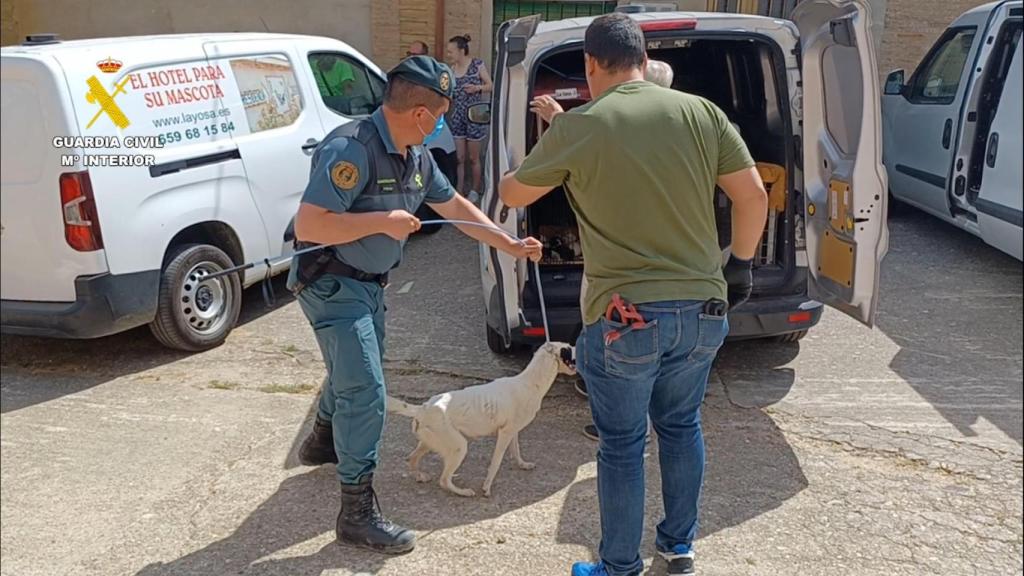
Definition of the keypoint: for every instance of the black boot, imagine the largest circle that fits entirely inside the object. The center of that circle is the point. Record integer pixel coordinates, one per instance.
(318, 447)
(360, 523)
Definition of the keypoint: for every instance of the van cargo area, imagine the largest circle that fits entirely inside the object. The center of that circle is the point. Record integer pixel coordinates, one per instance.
(737, 73)
(44, 204)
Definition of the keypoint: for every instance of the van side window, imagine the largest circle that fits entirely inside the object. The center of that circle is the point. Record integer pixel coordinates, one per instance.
(268, 90)
(842, 75)
(345, 85)
(937, 79)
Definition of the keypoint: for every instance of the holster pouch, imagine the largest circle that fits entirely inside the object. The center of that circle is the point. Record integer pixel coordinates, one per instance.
(310, 265)
(716, 307)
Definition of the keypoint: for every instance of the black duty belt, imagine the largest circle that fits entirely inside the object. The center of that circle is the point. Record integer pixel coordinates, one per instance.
(335, 266)
(316, 263)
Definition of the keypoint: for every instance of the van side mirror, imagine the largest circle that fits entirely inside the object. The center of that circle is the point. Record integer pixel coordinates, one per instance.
(894, 83)
(480, 113)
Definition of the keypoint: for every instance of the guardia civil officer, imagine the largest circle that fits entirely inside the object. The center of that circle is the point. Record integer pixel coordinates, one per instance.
(368, 177)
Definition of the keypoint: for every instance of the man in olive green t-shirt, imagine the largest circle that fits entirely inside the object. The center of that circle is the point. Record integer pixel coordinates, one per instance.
(639, 165)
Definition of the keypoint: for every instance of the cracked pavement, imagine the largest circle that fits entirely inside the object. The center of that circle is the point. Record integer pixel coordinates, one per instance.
(888, 451)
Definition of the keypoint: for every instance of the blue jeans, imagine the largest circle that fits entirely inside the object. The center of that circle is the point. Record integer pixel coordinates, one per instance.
(661, 371)
(348, 319)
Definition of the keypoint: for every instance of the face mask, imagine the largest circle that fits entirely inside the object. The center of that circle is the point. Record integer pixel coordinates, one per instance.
(438, 127)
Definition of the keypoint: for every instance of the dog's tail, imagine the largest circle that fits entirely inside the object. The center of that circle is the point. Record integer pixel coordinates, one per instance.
(396, 406)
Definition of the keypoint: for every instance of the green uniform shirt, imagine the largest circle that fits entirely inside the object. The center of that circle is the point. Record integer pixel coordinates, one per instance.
(639, 165)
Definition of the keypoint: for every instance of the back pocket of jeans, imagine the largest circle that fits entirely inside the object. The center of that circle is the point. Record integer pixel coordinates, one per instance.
(711, 332)
(631, 350)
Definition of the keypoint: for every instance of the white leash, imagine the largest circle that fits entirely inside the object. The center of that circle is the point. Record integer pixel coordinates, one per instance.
(536, 267)
(543, 307)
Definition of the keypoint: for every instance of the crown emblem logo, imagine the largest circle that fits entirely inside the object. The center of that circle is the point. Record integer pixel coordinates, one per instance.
(109, 65)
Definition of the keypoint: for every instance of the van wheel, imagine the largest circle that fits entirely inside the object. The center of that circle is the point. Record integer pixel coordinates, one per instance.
(195, 314)
(792, 336)
(495, 342)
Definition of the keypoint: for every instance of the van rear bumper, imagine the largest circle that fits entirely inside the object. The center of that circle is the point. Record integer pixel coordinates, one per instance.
(772, 316)
(105, 304)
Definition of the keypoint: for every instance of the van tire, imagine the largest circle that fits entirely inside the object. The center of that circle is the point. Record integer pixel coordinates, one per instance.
(172, 327)
(495, 342)
(792, 336)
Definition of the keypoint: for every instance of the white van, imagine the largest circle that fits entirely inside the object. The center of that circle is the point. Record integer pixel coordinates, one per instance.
(132, 167)
(804, 94)
(953, 130)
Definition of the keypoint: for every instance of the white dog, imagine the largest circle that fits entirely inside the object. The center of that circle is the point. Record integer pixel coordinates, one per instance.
(503, 407)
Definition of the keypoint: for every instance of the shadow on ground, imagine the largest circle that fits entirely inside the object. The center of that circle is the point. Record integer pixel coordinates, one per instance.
(37, 370)
(305, 505)
(958, 322)
(739, 437)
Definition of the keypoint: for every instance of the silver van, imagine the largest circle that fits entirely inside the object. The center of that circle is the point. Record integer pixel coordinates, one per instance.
(952, 131)
(804, 94)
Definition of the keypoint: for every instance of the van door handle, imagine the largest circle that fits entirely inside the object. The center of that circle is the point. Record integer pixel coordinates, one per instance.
(993, 149)
(310, 145)
(947, 133)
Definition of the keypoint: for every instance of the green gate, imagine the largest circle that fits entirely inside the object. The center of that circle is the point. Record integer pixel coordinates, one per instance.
(553, 10)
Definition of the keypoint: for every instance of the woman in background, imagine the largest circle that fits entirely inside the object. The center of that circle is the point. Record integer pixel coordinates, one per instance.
(472, 82)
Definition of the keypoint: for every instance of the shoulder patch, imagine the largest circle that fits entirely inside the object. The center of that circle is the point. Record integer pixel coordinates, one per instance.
(345, 175)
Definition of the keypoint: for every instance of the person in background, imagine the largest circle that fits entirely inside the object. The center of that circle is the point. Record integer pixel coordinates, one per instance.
(472, 82)
(417, 48)
(659, 73)
(640, 164)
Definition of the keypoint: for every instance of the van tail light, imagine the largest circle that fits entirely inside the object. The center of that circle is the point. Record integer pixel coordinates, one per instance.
(668, 25)
(533, 331)
(81, 224)
(800, 317)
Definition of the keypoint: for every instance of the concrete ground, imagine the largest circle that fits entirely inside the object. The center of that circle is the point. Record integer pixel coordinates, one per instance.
(888, 451)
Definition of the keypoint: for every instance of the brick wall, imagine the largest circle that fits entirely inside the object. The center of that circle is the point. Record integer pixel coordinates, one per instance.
(387, 37)
(397, 23)
(8, 23)
(347, 20)
(903, 30)
(417, 22)
(382, 29)
(464, 17)
(912, 26)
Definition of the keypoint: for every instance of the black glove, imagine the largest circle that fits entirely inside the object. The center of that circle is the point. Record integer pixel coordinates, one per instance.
(739, 275)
